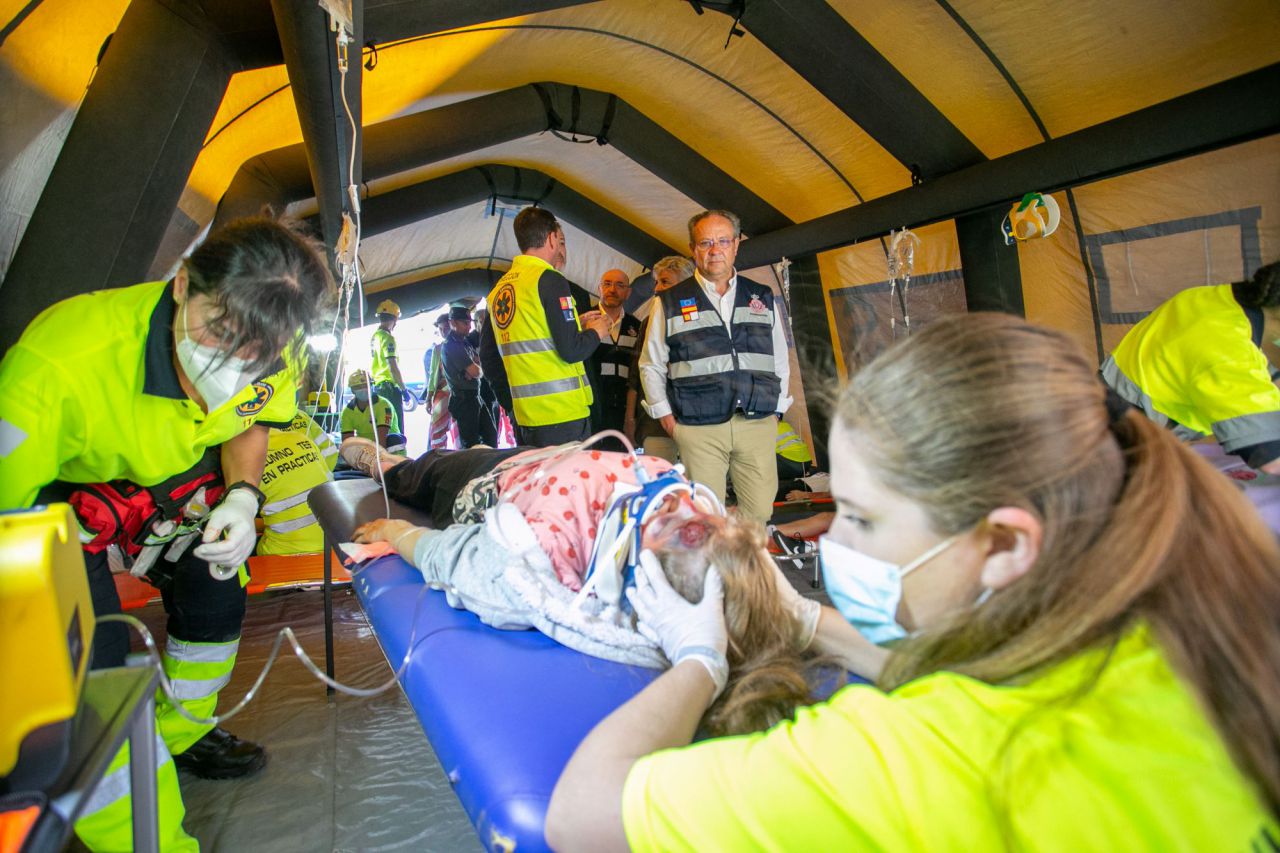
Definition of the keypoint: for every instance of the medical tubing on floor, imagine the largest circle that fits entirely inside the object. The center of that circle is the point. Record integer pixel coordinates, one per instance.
(286, 633)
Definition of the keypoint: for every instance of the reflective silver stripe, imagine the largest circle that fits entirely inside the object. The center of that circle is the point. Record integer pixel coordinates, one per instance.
(329, 449)
(551, 386)
(794, 439)
(746, 315)
(285, 503)
(705, 320)
(186, 689)
(115, 785)
(200, 652)
(1245, 430)
(708, 366)
(293, 524)
(608, 368)
(757, 361)
(626, 340)
(1131, 393)
(526, 347)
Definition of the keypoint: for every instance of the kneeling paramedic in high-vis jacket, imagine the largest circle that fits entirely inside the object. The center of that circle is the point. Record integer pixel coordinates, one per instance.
(147, 409)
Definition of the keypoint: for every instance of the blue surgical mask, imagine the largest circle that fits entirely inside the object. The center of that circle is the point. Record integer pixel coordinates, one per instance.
(361, 396)
(867, 591)
(217, 376)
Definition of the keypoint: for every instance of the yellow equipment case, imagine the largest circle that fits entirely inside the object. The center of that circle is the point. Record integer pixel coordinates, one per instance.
(46, 634)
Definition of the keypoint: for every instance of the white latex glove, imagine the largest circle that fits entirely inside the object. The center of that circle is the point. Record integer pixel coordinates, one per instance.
(234, 517)
(805, 611)
(682, 630)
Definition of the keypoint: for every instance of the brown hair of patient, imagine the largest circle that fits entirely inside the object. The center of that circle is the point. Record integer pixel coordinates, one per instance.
(768, 679)
(981, 411)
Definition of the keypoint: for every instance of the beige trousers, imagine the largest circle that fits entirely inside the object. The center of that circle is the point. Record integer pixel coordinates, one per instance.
(742, 450)
(662, 447)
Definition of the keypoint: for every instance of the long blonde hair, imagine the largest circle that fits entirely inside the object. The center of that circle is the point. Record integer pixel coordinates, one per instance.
(768, 677)
(984, 410)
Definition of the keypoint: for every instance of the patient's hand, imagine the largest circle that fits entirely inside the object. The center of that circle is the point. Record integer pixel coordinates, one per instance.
(381, 530)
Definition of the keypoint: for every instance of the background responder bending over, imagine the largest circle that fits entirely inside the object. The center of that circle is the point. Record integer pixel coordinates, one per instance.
(128, 388)
(1202, 364)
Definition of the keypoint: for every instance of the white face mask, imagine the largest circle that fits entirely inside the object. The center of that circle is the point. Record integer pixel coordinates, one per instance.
(867, 591)
(217, 376)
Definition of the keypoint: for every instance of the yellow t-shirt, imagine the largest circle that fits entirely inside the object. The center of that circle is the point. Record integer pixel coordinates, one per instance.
(357, 421)
(298, 459)
(89, 394)
(382, 347)
(950, 763)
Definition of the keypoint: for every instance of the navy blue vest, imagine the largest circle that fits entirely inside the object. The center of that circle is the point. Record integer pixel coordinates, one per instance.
(711, 374)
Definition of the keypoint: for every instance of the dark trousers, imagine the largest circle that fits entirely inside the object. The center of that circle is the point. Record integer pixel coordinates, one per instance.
(433, 480)
(464, 407)
(553, 434)
(201, 609)
(390, 392)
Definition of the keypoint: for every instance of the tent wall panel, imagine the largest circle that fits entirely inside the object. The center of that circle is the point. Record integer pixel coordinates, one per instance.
(860, 323)
(1204, 220)
(46, 61)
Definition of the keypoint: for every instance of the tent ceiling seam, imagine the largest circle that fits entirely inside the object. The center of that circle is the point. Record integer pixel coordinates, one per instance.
(669, 53)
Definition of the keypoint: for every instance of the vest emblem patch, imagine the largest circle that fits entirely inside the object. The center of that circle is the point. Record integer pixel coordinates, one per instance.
(504, 305)
(689, 310)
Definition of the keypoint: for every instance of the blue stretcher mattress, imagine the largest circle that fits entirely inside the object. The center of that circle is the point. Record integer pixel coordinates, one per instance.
(504, 710)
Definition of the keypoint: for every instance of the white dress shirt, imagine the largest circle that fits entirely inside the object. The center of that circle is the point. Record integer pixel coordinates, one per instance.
(655, 355)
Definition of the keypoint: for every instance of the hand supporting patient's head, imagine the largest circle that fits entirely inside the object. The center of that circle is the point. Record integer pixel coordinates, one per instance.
(768, 677)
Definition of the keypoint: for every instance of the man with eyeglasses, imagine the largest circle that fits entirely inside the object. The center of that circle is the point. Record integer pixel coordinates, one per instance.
(715, 370)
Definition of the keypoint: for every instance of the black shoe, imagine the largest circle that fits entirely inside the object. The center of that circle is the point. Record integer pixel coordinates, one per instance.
(222, 755)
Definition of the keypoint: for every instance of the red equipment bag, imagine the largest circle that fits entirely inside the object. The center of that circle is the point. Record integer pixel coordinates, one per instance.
(123, 513)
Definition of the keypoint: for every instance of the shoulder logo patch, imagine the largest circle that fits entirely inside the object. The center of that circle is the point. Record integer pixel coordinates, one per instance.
(262, 394)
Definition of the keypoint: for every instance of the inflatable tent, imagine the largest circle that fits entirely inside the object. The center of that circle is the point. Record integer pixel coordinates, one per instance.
(131, 127)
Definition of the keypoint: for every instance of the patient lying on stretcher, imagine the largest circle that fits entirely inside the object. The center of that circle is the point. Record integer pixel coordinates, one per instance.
(521, 557)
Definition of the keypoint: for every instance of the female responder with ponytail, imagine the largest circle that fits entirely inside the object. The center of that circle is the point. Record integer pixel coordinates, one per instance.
(1091, 659)
(126, 399)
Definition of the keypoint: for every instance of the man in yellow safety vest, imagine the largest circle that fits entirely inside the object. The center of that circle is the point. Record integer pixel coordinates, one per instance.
(541, 336)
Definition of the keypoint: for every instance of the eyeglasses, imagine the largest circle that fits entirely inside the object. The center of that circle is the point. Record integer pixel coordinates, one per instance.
(707, 245)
